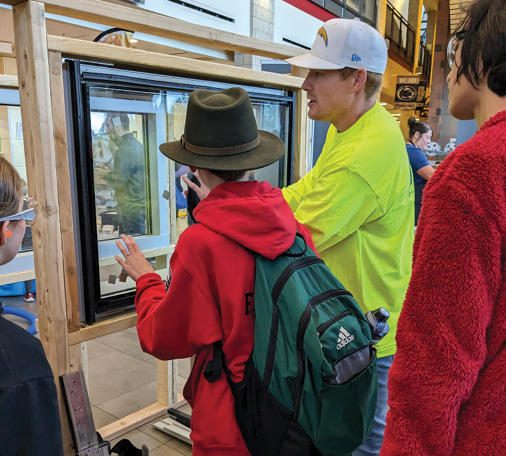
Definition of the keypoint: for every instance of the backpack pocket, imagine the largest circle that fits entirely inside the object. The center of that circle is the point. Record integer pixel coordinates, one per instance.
(347, 411)
(268, 428)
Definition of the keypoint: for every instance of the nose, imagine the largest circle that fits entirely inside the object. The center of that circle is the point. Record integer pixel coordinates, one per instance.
(306, 85)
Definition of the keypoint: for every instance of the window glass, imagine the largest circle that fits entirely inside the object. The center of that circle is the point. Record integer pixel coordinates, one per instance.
(129, 175)
(12, 149)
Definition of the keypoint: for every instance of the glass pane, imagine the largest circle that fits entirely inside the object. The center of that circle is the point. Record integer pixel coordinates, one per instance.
(273, 118)
(12, 149)
(130, 175)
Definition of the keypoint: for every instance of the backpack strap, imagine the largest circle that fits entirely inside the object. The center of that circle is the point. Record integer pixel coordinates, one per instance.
(215, 366)
(297, 254)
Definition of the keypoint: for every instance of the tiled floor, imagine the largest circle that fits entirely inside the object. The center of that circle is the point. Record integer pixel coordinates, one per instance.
(122, 380)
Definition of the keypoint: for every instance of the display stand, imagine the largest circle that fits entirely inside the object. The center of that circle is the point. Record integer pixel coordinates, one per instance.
(39, 64)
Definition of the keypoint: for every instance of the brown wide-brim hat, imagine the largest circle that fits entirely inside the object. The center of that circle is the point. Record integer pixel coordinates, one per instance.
(221, 134)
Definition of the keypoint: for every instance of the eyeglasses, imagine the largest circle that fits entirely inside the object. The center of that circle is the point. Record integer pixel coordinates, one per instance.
(453, 44)
(28, 214)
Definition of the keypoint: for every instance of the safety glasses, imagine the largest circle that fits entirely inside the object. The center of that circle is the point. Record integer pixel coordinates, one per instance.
(453, 44)
(28, 214)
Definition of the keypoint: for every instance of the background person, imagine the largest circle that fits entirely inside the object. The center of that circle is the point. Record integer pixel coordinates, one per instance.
(29, 413)
(127, 176)
(447, 383)
(420, 136)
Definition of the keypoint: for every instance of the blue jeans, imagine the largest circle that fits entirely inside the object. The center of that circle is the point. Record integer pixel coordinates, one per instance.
(372, 445)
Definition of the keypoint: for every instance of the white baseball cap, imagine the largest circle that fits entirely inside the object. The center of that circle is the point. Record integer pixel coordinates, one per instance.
(344, 43)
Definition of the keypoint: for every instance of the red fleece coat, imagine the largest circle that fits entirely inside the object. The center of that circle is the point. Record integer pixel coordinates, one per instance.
(211, 276)
(447, 385)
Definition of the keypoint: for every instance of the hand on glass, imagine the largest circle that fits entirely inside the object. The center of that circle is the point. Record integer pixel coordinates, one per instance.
(201, 191)
(134, 263)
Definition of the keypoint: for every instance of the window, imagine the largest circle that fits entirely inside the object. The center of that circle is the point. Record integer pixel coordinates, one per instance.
(124, 185)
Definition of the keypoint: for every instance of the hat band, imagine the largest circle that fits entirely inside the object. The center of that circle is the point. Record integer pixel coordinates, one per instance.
(220, 151)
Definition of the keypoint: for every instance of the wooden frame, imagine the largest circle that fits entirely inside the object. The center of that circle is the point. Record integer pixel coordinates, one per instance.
(45, 138)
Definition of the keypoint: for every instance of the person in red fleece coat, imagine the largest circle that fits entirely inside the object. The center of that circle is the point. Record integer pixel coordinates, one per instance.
(212, 268)
(447, 383)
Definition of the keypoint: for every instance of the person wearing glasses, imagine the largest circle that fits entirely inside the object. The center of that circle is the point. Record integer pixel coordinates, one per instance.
(29, 414)
(447, 390)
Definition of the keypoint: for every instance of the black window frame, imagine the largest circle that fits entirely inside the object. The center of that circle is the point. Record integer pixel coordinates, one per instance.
(79, 76)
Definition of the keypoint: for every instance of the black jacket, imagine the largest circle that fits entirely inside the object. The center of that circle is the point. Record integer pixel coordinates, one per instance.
(29, 414)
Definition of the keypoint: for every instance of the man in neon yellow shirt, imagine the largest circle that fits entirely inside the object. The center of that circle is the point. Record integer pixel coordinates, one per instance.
(358, 199)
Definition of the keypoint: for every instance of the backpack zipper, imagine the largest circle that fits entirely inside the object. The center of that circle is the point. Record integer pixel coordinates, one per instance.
(324, 326)
(303, 324)
(276, 292)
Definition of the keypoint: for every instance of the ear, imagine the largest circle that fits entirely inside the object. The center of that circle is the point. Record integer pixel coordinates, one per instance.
(416, 136)
(359, 78)
(5, 233)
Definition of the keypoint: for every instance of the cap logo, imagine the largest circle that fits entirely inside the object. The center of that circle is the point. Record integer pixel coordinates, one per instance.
(323, 33)
(355, 58)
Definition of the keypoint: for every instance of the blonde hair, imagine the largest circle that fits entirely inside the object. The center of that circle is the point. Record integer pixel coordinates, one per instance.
(372, 84)
(10, 189)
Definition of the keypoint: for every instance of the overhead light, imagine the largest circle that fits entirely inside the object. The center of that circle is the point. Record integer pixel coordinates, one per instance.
(396, 115)
(383, 104)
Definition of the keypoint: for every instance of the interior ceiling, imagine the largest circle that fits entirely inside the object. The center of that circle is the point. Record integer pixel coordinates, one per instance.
(457, 12)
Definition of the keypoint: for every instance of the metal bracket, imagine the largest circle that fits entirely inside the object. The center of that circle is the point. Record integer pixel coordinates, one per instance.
(81, 418)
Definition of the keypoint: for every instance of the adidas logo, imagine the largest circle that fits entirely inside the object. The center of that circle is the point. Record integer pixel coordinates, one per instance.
(344, 338)
(355, 58)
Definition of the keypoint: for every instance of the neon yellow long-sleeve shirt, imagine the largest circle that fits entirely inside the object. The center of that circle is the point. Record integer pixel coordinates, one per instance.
(358, 204)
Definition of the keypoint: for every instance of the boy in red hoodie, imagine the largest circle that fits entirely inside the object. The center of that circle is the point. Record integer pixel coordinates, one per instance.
(207, 296)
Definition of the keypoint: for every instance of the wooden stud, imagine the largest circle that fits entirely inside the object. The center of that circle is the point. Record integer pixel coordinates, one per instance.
(8, 82)
(126, 424)
(170, 63)
(141, 20)
(162, 382)
(35, 98)
(64, 191)
(5, 49)
(102, 328)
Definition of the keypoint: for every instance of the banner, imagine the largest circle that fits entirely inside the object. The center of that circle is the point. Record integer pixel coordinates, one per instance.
(406, 92)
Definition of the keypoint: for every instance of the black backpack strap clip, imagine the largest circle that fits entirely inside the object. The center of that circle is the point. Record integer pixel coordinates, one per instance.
(215, 366)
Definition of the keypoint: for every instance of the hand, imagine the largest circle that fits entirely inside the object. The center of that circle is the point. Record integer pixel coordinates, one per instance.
(134, 263)
(201, 191)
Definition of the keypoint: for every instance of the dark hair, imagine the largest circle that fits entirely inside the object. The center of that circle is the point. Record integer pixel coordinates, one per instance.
(483, 48)
(414, 126)
(125, 121)
(228, 176)
(372, 83)
(10, 189)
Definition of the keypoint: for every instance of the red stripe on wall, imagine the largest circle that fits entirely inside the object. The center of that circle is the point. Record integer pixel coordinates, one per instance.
(312, 9)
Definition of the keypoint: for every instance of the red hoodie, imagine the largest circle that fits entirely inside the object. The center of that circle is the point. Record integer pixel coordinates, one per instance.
(206, 301)
(447, 387)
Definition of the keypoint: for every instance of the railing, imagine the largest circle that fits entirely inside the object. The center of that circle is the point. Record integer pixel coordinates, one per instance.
(425, 60)
(400, 34)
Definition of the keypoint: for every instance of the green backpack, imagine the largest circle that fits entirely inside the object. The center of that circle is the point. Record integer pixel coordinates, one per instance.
(310, 385)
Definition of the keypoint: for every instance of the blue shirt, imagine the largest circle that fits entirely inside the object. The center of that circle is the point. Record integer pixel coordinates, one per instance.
(417, 160)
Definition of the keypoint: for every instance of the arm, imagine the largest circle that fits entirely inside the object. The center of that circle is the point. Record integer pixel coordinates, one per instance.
(441, 336)
(426, 171)
(294, 193)
(176, 323)
(338, 203)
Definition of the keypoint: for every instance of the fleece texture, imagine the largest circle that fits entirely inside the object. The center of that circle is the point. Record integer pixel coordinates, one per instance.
(209, 299)
(447, 385)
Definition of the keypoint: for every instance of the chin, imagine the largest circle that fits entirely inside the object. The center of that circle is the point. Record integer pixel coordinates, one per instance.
(461, 112)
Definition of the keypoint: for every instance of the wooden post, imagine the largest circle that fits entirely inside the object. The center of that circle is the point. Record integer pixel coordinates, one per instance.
(35, 98)
(64, 190)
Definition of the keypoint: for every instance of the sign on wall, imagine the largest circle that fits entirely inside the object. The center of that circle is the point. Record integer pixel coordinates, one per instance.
(406, 92)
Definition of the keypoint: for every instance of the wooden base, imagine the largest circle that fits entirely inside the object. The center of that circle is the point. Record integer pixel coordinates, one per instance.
(132, 421)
